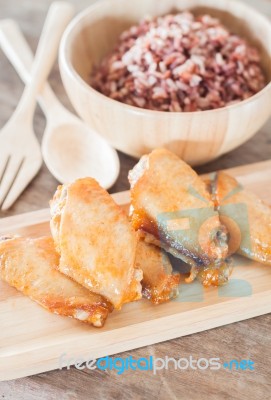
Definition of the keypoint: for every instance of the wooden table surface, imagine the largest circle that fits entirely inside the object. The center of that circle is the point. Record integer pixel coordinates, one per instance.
(249, 339)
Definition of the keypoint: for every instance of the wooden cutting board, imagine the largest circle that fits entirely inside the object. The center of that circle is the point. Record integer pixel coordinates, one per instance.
(32, 340)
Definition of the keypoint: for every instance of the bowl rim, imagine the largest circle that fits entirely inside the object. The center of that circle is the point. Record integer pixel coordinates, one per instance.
(65, 62)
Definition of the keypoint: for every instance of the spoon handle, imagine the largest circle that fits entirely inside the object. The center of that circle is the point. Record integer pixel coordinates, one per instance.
(19, 53)
(57, 18)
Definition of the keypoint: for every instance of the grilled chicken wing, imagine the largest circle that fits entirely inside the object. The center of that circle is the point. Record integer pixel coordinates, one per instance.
(159, 283)
(95, 241)
(246, 217)
(29, 265)
(170, 203)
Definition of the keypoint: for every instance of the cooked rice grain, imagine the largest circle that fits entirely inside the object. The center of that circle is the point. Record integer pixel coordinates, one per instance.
(180, 63)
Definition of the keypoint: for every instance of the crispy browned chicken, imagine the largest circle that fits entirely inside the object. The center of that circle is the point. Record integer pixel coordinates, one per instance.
(30, 265)
(247, 218)
(170, 204)
(95, 241)
(159, 284)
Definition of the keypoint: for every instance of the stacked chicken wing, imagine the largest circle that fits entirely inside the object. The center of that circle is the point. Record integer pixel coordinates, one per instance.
(99, 258)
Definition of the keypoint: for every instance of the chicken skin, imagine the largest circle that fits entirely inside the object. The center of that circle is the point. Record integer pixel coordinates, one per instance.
(247, 218)
(171, 206)
(159, 284)
(96, 242)
(30, 266)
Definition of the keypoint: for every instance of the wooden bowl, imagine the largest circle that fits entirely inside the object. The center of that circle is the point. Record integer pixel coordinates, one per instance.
(197, 137)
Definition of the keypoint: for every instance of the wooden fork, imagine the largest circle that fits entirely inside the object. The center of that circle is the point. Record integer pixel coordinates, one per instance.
(20, 154)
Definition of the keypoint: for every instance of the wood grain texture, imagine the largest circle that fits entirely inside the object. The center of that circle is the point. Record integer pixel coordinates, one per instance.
(245, 339)
(196, 137)
(28, 348)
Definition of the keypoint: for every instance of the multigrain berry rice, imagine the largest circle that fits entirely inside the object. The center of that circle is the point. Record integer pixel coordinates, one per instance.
(180, 63)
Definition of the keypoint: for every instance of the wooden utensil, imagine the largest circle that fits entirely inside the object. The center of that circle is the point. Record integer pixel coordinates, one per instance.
(32, 340)
(70, 148)
(20, 156)
(197, 137)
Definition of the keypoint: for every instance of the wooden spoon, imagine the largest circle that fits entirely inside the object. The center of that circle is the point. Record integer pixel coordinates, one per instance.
(20, 156)
(70, 148)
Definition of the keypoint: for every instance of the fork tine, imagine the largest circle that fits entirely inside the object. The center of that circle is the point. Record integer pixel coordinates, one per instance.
(9, 175)
(24, 176)
(4, 169)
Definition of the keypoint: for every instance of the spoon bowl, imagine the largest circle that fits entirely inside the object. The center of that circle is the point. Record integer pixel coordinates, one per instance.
(19, 147)
(72, 151)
